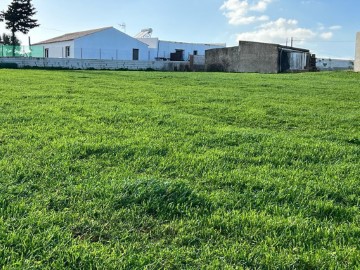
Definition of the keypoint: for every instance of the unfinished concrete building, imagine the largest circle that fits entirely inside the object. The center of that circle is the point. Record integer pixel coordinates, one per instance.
(357, 53)
(259, 58)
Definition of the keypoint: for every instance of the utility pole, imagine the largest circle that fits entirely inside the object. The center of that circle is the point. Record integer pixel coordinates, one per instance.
(292, 41)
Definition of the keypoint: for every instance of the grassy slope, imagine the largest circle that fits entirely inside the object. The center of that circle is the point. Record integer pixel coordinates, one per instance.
(166, 170)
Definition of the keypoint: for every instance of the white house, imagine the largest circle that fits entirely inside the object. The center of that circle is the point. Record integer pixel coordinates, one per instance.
(102, 43)
(110, 43)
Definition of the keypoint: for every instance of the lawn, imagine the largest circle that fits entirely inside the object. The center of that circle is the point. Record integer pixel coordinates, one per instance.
(151, 170)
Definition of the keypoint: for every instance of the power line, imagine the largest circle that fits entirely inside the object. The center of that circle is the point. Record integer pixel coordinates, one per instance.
(327, 41)
(52, 29)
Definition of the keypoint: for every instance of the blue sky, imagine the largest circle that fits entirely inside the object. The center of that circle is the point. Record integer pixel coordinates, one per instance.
(326, 27)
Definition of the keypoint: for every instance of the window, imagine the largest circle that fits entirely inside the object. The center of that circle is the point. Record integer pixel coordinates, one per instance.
(67, 51)
(46, 53)
(135, 54)
(195, 52)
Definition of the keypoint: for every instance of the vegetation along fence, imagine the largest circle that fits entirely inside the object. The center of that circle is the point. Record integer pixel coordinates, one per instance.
(21, 51)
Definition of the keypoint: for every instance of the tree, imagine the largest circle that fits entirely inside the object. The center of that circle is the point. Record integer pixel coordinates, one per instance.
(18, 18)
(6, 40)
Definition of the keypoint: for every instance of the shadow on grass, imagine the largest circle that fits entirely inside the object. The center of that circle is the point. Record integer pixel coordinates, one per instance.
(162, 199)
(354, 141)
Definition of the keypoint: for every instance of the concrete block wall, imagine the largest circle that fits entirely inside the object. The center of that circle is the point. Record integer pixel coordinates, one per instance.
(96, 64)
(197, 62)
(259, 57)
(247, 57)
(357, 53)
(222, 59)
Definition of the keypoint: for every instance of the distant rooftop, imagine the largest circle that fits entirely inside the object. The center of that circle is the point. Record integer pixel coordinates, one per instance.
(72, 36)
(144, 39)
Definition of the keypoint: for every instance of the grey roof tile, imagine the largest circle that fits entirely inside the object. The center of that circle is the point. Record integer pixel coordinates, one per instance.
(72, 36)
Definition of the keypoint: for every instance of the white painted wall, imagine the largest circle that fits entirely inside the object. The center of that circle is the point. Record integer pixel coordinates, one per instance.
(298, 60)
(153, 46)
(167, 47)
(334, 64)
(57, 50)
(110, 44)
(152, 42)
(163, 49)
(357, 53)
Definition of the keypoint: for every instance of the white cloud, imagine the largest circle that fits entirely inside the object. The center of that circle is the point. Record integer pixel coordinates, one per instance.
(335, 27)
(326, 35)
(321, 27)
(249, 20)
(237, 11)
(245, 12)
(278, 31)
(261, 6)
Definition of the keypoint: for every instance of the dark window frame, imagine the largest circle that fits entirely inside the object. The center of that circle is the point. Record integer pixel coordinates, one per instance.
(67, 51)
(135, 55)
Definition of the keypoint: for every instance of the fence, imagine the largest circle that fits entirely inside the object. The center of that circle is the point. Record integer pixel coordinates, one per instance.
(21, 51)
(100, 53)
(66, 52)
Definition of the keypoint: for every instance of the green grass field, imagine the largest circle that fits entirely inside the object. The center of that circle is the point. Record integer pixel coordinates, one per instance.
(151, 170)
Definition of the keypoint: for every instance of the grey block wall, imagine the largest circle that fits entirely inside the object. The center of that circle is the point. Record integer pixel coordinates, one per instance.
(247, 57)
(225, 59)
(357, 53)
(70, 63)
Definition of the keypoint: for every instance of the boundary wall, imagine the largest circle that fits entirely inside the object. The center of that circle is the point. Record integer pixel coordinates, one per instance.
(196, 63)
(94, 64)
(357, 53)
(329, 64)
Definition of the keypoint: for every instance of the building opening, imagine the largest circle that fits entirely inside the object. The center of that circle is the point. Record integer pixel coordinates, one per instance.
(178, 55)
(67, 51)
(135, 54)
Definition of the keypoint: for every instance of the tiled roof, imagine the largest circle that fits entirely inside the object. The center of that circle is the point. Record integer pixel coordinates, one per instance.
(72, 36)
